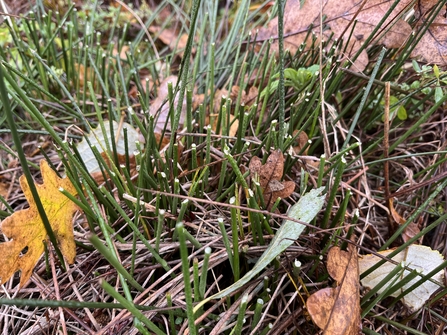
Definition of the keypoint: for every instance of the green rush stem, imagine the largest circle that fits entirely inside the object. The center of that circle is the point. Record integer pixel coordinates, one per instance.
(186, 277)
(281, 90)
(25, 168)
(130, 307)
(114, 262)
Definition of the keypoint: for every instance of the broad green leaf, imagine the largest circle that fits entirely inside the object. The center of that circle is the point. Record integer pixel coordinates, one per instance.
(438, 94)
(436, 71)
(402, 113)
(304, 210)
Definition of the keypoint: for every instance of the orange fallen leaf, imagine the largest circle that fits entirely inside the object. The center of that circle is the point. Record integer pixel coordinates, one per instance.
(26, 231)
(85, 74)
(269, 176)
(4, 187)
(337, 310)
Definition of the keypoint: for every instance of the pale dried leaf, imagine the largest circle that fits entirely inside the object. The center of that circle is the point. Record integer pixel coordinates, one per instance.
(159, 108)
(418, 257)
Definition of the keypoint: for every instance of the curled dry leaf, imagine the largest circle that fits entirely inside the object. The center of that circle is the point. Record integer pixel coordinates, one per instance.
(340, 16)
(247, 98)
(27, 232)
(170, 37)
(4, 187)
(337, 310)
(412, 228)
(269, 176)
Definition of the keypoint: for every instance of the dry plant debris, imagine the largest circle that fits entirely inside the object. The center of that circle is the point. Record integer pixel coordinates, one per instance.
(419, 257)
(26, 230)
(269, 176)
(340, 16)
(411, 229)
(433, 45)
(160, 107)
(337, 310)
(102, 139)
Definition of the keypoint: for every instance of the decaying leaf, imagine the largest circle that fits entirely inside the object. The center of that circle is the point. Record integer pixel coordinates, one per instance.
(340, 17)
(412, 228)
(301, 142)
(170, 37)
(247, 98)
(337, 310)
(304, 210)
(4, 187)
(269, 176)
(159, 108)
(85, 74)
(103, 142)
(419, 257)
(433, 46)
(26, 231)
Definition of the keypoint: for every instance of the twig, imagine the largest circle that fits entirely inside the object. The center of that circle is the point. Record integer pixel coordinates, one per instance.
(57, 292)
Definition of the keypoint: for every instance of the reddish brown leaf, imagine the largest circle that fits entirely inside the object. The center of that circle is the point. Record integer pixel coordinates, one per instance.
(269, 176)
(412, 228)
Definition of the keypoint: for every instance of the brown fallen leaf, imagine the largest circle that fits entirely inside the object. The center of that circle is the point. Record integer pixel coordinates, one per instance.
(340, 16)
(337, 310)
(432, 47)
(248, 98)
(26, 231)
(269, 176)
(412, 228)
(300, 142)
(4, 188)
(170, 37)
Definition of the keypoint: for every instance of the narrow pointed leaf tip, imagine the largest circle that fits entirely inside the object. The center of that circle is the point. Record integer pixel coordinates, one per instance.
(304, 210)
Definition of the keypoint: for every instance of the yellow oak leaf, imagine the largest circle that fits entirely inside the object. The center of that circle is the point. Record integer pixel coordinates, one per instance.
(26, 231)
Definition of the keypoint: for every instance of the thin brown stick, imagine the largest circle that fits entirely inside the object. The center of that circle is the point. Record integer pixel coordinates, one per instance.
(57, 292)
(386, 146)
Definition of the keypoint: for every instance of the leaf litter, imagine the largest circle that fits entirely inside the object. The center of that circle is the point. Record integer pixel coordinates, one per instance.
(418, 257)
(26, 231)
(337, 310)
(273, 178)
(269, 176)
